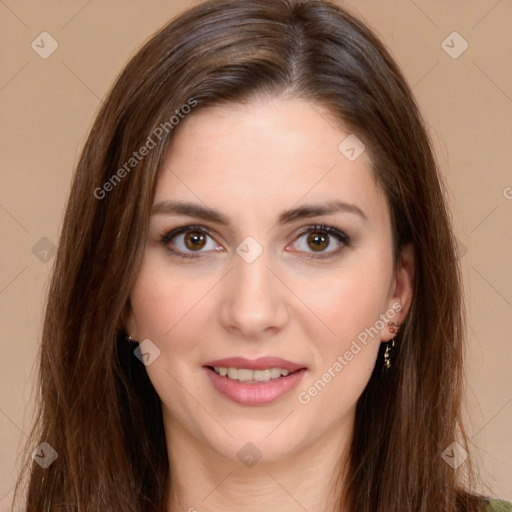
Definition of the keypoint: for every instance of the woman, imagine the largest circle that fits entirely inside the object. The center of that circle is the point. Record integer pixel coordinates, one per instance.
(256, 302)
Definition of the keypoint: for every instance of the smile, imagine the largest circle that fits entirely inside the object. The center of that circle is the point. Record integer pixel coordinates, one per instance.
(251, 376)
(254, 382)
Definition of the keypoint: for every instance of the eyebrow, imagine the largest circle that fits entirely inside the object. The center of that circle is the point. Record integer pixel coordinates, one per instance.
(286, 217)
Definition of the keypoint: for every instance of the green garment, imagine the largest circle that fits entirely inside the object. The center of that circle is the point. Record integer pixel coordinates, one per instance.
(499, 506)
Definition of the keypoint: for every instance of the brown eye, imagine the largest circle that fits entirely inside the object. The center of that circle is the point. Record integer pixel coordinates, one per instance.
(190, 242)
(318, 241)
(195, 240)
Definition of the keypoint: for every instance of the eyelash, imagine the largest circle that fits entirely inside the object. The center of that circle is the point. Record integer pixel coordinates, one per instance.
(342, 237)
(168, 236)
(334, 231)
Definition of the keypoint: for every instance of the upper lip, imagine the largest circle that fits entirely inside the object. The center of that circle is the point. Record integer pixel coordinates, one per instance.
(261, 363)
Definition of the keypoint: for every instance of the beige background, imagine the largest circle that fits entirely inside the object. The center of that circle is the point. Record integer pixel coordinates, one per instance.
(47, 107)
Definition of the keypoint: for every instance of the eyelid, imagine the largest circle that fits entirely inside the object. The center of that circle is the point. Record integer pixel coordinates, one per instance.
(169, 234)
(330, 229)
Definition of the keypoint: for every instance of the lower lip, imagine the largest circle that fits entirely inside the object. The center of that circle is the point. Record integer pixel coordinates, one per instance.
(255, 394)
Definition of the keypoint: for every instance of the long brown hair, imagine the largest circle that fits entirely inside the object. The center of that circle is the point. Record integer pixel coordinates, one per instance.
(97, 407)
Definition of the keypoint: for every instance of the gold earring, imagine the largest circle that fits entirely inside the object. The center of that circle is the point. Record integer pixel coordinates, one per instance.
(387, 362)
(393, 327)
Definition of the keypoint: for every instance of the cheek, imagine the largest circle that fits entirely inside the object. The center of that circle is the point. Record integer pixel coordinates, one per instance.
(345, 343)
(351, 313)
(351, 300)
(169, 310)
(164, 303)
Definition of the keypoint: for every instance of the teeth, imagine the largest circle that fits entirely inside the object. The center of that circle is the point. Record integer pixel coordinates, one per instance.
(263, 375)
(245, 374)
(221, 371)
(275, 373)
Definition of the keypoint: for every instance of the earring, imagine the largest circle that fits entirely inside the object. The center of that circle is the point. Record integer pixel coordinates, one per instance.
(129, 338)
(393, 327)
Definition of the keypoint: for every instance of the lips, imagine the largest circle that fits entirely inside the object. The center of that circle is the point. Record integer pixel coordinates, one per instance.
(229, 377)
(262, 363)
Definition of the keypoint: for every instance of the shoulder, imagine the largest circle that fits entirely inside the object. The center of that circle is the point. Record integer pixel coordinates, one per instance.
(499, 506)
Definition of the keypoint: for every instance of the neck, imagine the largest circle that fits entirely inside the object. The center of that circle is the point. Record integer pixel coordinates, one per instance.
(205, 481)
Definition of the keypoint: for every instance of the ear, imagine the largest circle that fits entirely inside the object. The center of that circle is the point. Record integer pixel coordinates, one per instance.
(402, 290)
(127, 322)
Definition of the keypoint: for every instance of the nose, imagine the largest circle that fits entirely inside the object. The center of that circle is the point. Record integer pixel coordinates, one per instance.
(254, 300)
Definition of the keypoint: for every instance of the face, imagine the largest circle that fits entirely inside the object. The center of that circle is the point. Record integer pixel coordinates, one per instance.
(269, 256)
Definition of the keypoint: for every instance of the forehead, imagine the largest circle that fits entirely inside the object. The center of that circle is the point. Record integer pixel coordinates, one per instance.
(263, 157)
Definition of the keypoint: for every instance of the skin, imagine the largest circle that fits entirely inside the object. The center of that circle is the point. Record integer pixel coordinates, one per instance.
(251, 162)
